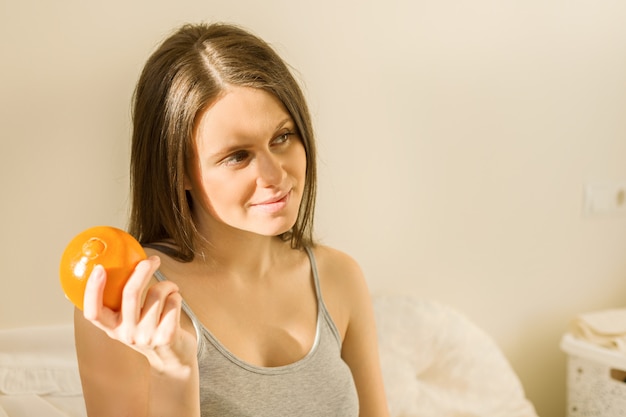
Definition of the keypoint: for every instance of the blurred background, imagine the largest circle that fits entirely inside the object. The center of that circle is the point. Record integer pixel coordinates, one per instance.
(457, 140)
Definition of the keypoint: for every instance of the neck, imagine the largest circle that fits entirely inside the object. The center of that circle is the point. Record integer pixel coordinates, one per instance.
(242, 254)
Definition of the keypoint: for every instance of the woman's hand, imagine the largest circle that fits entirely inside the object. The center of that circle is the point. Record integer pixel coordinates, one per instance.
(116, 378)
(149, 319)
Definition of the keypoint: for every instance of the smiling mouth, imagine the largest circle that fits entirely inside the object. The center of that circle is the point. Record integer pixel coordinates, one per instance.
(273, 205)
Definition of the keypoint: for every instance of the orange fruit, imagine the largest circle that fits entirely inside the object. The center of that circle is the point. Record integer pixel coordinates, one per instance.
(114, 249)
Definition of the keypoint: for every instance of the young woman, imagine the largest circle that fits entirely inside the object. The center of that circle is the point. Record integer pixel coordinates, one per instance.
(237, 312)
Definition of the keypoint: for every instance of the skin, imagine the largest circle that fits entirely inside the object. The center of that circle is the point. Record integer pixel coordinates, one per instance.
(255, 294)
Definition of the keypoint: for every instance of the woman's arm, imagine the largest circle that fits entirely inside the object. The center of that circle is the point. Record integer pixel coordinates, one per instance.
(348, 299)
(138, 362)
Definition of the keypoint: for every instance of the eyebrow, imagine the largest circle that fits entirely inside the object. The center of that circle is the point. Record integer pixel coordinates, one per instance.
(283, 123)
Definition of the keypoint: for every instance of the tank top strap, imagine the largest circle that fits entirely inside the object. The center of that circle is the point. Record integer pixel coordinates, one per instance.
(194, 320)
(316, 279)
(320, 300)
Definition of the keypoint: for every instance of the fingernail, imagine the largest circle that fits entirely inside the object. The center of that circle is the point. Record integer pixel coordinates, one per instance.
(97, 272)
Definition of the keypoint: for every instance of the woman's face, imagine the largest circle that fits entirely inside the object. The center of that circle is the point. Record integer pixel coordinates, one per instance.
(248, 170)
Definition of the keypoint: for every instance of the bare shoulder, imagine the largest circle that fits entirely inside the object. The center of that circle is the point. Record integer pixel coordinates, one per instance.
(109, 369)
(343, 285)
(337, 266)
(95, 349)
(349, 303)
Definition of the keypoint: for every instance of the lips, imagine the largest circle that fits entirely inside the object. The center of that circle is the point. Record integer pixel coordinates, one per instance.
(273, 204)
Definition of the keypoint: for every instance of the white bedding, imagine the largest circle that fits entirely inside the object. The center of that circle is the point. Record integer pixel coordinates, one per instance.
(436, 363)
(38, 373)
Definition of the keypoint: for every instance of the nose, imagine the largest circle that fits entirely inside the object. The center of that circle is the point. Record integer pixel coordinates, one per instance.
(269, 170)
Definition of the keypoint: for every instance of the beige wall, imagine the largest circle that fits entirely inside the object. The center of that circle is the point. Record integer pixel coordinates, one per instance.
(456, 139)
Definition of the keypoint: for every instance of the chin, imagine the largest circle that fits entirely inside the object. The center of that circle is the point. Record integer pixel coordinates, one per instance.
(276, 232)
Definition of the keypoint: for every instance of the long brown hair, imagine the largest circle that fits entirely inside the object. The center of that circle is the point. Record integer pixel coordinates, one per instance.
(186, 73)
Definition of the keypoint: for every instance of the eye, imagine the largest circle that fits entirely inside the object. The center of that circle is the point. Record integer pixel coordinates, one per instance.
(282, 138)
(236, 158)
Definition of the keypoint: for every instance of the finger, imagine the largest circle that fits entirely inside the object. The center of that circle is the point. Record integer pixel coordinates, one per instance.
(94, 290)
(153, 306)
(94, 293)
(93, 306)
(132, 295)
(169, 320)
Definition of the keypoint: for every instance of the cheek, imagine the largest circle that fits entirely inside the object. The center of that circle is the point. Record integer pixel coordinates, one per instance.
(298, 165)
(204, 190)
(221, 191)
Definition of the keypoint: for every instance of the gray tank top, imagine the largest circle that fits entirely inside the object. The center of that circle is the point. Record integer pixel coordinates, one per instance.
(318, 385)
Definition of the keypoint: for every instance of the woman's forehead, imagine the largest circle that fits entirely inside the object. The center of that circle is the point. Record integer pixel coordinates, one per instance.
(241, 112)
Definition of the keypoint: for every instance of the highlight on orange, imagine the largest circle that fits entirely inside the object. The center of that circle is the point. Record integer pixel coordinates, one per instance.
(116, 250)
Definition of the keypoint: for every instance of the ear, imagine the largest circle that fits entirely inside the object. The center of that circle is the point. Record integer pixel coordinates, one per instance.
(188, 173)
(187, 182)
(189, 168)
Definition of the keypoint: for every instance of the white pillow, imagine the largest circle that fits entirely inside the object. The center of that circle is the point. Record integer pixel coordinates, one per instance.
(437, 363)
(39, 360)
